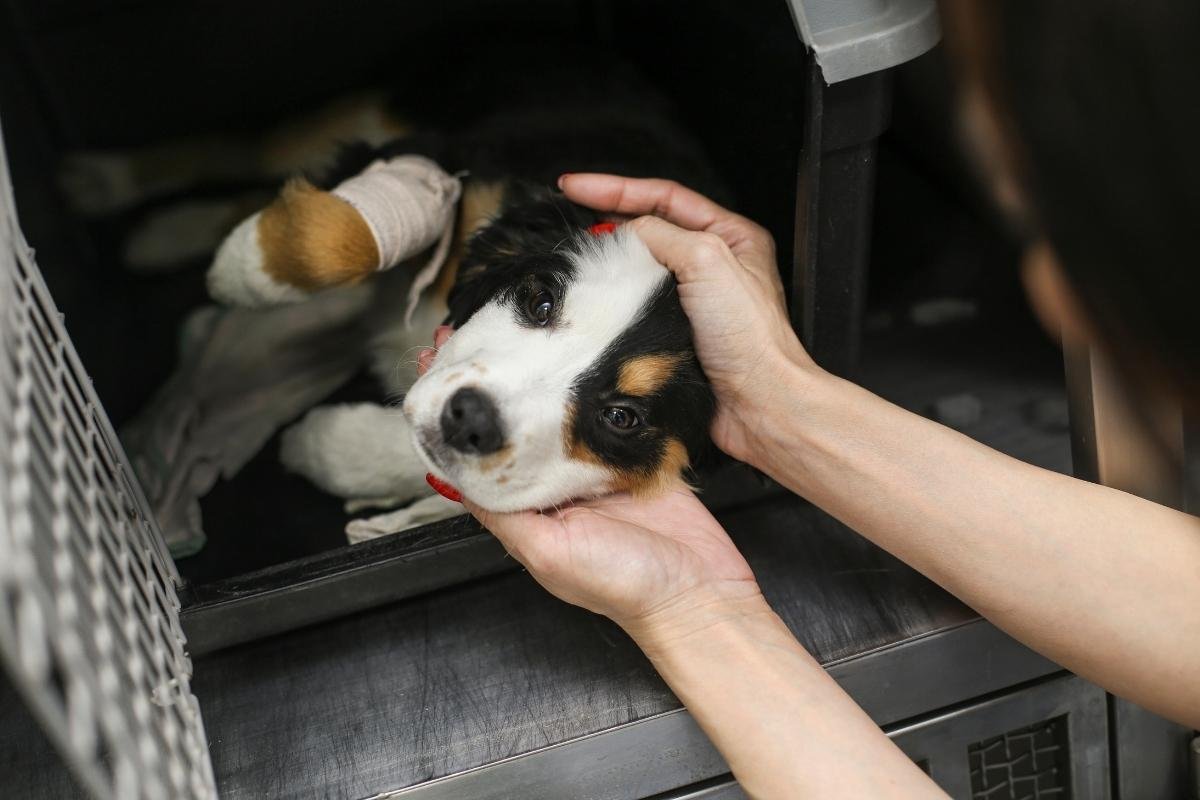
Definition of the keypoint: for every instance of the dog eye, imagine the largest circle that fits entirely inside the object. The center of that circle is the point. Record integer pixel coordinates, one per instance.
(620, 418)
(539, 308)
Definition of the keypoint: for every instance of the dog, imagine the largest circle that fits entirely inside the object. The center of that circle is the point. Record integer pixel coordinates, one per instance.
(571, 372)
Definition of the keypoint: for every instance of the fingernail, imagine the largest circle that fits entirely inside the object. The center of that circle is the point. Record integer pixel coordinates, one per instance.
(562, 179)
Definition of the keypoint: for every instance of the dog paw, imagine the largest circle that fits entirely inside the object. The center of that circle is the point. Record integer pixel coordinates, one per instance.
(180, 234)
(238, 277)
(96, 184)
(354, 451)
(424, 511)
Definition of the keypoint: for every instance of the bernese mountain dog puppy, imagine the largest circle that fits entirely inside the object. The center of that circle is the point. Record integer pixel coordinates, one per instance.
(570, 373)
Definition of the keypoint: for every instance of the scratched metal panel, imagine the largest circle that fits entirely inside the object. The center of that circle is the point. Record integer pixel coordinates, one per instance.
(459, 679)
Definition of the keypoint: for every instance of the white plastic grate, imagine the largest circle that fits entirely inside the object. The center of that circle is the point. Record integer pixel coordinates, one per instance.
(89, 622)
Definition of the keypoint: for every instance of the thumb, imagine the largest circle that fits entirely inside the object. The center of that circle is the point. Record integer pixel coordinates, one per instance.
(515, 530)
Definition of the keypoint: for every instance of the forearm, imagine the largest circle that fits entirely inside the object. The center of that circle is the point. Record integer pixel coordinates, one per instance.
(1105, 583)
(785, 727)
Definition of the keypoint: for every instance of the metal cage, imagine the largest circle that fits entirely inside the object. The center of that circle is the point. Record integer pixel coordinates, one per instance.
(89, 618)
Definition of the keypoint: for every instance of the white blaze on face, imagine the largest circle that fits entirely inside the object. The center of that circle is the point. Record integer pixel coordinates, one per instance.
(528, 374)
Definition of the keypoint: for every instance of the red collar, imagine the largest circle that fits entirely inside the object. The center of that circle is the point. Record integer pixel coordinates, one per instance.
(601, 228)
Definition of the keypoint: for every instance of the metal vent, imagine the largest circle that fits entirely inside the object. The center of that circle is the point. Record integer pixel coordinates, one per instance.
(1030, 763)
(89, 623)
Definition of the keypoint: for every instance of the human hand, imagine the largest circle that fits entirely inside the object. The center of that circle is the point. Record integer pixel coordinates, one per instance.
(654, 566)
(729, 287)
(657, 567)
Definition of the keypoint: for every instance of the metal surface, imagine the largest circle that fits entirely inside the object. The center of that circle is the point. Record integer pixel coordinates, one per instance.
(496, 689)
(723, 788)
(89, 630)
(1150, 761)
(850, 38)
(1194, 767)
(339, 582)
(943, 742)
(835, 192)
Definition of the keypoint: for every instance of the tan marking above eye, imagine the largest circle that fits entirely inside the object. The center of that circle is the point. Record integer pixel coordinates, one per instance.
(312, 239)
(645, 375)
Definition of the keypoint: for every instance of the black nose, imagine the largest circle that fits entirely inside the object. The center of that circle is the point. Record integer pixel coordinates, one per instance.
(471, 423)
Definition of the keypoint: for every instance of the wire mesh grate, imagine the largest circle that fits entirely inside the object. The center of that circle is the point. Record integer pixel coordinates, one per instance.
(89, 623)
(1030, 763)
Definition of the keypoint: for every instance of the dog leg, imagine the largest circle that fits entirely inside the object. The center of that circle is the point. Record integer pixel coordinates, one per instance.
(361, 452)
(98, 183)
(424, 511)
(185, 232)
(304, 241)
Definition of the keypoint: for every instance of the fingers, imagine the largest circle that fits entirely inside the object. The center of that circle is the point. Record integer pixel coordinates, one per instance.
(691, 255)
(666, 199)
(517, 531)
(637, 196)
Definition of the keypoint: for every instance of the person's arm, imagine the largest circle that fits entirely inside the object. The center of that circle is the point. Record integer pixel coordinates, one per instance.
(666, 572)
(1105, 583)
(785, 727)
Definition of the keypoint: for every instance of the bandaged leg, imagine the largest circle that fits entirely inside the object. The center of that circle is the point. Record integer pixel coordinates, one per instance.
(424, 511)
(309, 240)
(361, 452)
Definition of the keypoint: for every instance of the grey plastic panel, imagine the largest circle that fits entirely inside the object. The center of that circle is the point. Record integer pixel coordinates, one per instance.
(89, 618)
(850, 38)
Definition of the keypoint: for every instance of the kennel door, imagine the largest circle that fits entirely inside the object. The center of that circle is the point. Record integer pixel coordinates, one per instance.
(89, 618)
(850, 38)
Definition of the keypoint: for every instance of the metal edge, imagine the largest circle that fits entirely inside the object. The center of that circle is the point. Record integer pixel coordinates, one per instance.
(336, 583)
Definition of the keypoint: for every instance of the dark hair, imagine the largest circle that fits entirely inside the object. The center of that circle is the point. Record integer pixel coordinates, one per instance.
(1102, 99)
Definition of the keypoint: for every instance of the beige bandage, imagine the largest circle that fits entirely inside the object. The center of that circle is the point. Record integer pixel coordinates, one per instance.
(409, 204)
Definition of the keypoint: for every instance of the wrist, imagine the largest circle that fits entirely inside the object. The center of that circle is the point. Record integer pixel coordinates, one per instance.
(698, 616)
(785, 386)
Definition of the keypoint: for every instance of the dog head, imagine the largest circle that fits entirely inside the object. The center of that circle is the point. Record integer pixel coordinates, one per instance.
(571, 373)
